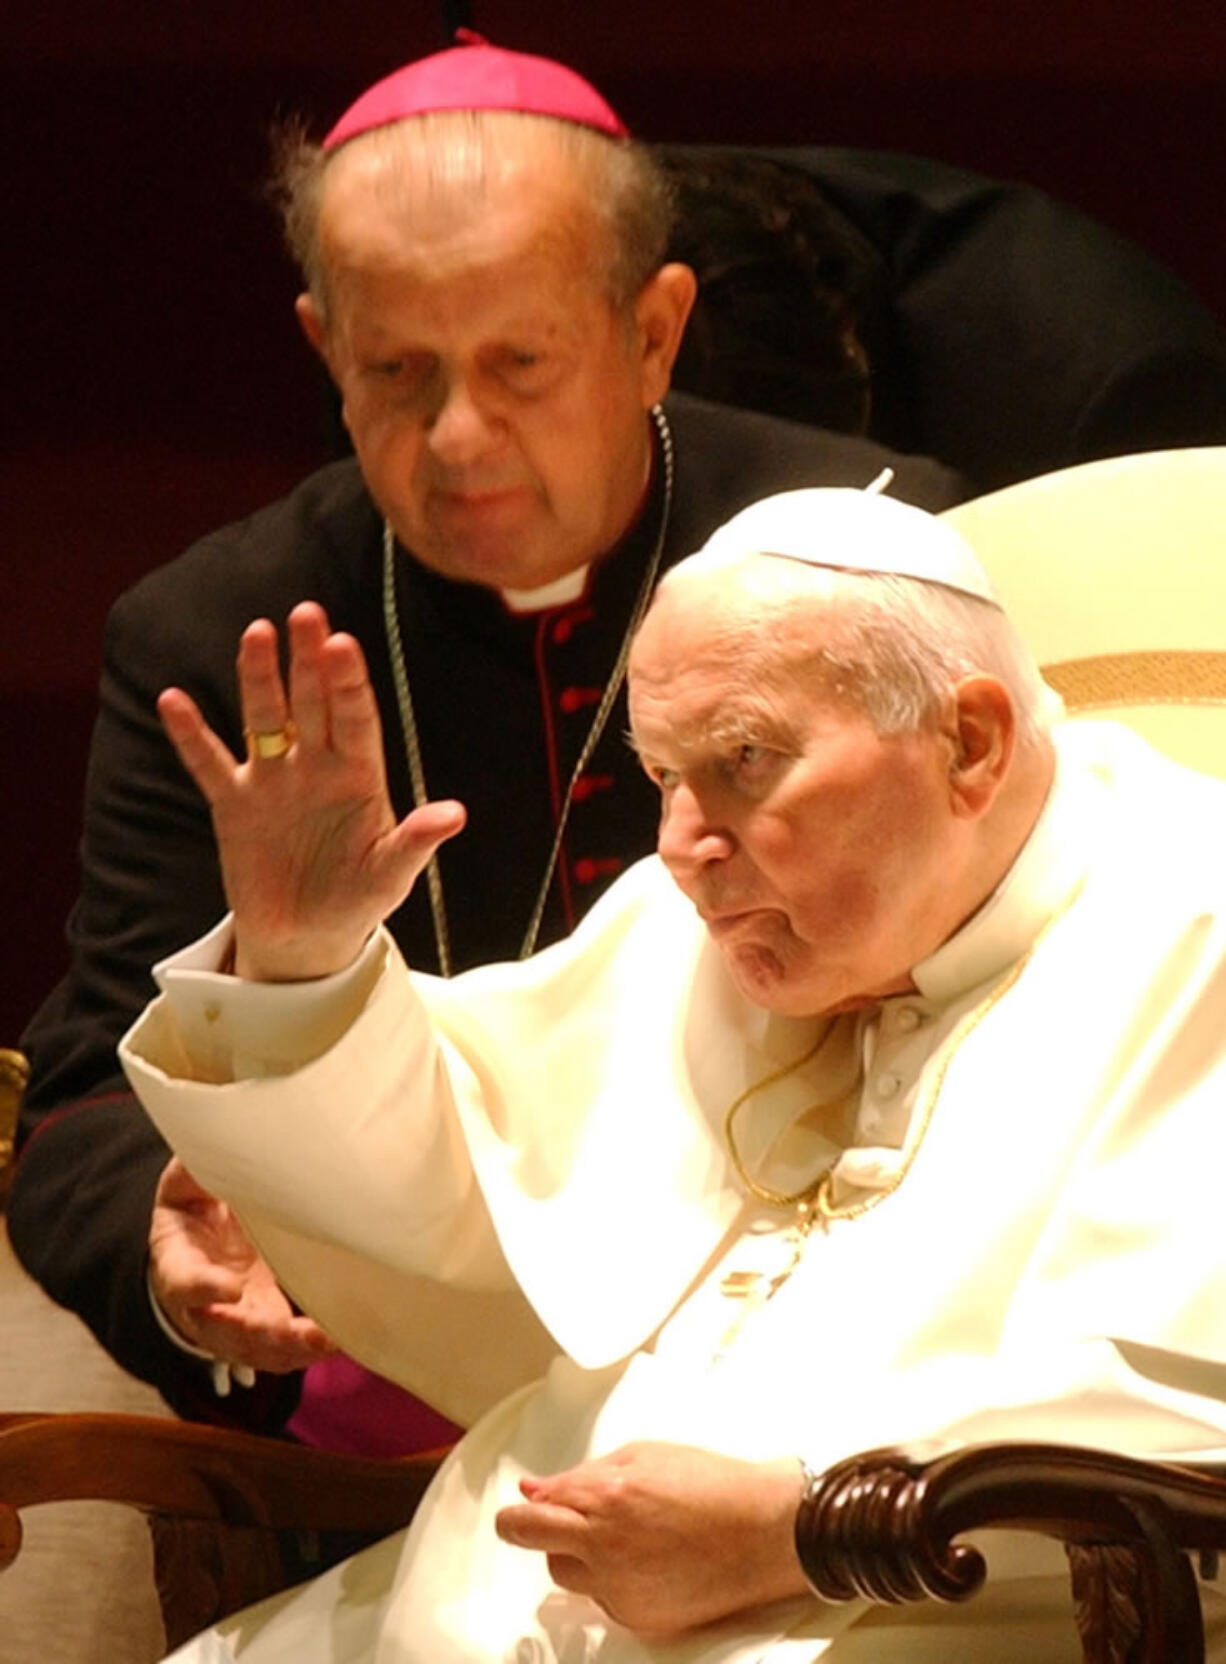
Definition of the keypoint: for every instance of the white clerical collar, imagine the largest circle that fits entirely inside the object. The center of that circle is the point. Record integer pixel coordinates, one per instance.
(569, 587)
(1048, 869)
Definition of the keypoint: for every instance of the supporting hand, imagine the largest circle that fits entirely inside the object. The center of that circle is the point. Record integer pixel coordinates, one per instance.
(311, 854)
(665, 1537)
(215, 1289)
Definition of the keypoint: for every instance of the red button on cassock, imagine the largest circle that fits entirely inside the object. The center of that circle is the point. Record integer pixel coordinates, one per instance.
(564, 628)
(591, 867)
(587, 785)
(574, 699)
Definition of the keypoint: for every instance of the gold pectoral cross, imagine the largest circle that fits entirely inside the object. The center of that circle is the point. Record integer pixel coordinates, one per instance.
(752, 1289)
(756, 1287)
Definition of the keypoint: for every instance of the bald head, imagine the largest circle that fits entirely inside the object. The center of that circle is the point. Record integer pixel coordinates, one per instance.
(430, 197)
(616, 194)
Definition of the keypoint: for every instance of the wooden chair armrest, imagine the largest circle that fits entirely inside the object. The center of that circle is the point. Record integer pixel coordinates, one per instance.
(884, 1526)
(201, 1473)
(224, 1507)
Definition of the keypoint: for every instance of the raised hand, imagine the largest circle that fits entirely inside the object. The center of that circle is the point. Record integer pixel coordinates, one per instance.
(312, 856)
(215, 1289)
(664, 1537)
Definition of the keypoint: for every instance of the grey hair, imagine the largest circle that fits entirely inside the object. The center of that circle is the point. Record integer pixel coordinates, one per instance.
(891, 646)
(896, 645)
(629, 194)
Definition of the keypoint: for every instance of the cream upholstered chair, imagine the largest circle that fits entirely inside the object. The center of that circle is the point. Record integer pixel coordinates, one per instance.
(1115, 573)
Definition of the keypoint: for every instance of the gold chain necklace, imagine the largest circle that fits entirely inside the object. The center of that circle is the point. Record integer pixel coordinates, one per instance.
(762, 1192)
(813, 1200)
(752, 1289)
(408, 722)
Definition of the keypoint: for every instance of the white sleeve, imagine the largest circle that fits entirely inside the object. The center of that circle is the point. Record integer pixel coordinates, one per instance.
(289, 1099)
(234, 1030)
(322, 1113)
(400, 1126)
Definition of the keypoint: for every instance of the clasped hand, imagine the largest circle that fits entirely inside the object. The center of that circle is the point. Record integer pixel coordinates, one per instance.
(665, 1537)
(312, 856)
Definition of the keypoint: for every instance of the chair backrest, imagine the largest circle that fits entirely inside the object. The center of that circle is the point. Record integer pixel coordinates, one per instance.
(1115, 573)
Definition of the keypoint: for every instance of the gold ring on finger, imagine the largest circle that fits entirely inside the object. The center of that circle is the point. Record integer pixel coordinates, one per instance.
(275, 743)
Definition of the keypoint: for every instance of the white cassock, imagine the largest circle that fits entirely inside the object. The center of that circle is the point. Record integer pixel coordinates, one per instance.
(512, 1193)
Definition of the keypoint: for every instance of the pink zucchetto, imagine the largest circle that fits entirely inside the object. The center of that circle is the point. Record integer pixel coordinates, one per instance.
(477, 76)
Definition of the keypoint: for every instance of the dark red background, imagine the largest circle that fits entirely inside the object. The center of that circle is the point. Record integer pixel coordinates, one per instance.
(154, 384)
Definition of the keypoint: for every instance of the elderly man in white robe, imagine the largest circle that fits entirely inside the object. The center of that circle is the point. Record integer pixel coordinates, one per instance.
(882, 1106)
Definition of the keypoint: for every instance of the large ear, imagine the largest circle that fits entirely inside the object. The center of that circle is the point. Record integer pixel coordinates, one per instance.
(311, 321)
(983, 736)
(660, 313)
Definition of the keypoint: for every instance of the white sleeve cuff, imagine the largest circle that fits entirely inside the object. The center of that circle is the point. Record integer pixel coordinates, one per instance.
(236, 1030)
(224, 1375)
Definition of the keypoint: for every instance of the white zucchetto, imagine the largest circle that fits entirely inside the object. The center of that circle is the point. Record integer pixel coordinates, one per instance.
(852, 531)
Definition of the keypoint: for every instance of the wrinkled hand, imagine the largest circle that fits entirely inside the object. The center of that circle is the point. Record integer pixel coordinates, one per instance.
(215, 1289)
(664, 1537)
(311, 854)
